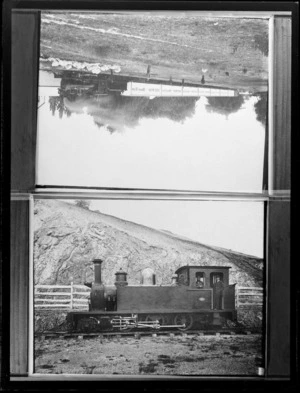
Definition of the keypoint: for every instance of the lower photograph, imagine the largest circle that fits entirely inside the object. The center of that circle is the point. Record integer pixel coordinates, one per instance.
(148, 287)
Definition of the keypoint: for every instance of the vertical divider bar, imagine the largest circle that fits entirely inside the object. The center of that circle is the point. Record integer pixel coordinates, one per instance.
(278, 340)
(19, 280)
(24, 80)
(282, 104)
(271, 108)
(71, 296)
(24, 61)
(31, 290)
(265, 344)
(278, 300)
(36, 150)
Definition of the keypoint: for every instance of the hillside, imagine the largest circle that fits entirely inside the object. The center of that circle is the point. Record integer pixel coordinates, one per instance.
(232, 50)
(67, 238)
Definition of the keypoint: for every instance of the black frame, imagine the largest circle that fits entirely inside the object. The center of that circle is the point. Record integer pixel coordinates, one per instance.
(281, 382)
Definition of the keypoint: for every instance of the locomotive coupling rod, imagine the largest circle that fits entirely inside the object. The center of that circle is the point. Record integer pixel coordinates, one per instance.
(173, 326)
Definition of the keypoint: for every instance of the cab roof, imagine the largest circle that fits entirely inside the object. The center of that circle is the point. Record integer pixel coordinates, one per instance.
(202, 267)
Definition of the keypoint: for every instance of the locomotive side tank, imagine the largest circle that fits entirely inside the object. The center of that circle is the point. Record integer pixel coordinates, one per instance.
(188, 302)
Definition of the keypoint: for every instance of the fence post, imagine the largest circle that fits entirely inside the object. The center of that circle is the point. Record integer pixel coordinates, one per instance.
(71, 305)
(237, 298)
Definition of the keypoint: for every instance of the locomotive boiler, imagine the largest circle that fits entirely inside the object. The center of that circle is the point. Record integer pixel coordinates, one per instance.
(189, 302)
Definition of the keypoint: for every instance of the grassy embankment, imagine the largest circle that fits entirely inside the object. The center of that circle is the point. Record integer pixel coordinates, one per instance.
(177, 47)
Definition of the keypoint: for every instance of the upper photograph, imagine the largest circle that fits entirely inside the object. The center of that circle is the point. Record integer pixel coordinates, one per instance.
(152, 100)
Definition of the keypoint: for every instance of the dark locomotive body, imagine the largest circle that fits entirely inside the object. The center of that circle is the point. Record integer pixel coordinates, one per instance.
(187, 303)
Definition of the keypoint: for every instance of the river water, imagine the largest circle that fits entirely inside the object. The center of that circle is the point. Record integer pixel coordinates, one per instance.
(211, 144)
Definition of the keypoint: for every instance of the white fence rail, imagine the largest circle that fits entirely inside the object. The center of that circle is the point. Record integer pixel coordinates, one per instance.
(77, 296)
(249, 296)
(61, 296)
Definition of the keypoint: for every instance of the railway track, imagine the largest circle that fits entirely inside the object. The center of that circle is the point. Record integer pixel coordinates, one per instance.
(140, 334)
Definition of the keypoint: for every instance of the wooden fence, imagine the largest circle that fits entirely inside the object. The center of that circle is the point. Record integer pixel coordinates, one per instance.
(249, 296)
(77, 296)
(61, 296)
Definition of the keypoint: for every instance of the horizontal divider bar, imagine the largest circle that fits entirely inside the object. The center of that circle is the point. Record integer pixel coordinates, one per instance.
(54, 300)
(81, 293)
(80, 300)
(60, 293)
(38, 291)
(250, 294)
(53, 286)
(249, 289)
(63, 193)
(154, 196)
(58, 306)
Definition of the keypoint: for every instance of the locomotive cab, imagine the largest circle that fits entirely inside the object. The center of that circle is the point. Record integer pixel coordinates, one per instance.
(204, 278)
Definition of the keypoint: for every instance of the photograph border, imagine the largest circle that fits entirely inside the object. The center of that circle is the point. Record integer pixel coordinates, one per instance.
(23, 187)
(136, 377)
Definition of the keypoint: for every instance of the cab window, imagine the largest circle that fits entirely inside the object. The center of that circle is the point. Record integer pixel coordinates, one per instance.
(199, 280)
(213, 278)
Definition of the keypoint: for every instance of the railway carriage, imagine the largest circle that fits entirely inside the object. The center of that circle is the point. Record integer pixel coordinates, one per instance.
(187, 303)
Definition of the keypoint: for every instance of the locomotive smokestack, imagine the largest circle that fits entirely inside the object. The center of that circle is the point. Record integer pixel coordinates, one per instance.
(97, 270)
(98, 289)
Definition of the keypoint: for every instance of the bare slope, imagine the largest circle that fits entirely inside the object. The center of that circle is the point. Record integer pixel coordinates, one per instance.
(67, 238)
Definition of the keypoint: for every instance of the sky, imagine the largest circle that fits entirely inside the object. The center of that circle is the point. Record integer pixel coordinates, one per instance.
(234, 225)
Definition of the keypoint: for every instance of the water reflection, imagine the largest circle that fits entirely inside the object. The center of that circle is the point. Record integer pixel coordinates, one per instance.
(103, 98)
(170, 142)
(117, 112)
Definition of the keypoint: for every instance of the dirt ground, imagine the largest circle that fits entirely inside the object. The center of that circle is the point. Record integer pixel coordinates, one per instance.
(161, 355)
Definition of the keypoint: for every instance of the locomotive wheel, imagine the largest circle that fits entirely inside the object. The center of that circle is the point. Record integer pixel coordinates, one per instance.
(184, 319)
(87, 325)
(156, 317)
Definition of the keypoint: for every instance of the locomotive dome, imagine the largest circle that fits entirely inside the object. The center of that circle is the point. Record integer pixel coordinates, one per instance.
(148, 276)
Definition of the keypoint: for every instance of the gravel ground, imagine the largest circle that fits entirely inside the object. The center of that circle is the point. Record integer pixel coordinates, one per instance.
(161, 355)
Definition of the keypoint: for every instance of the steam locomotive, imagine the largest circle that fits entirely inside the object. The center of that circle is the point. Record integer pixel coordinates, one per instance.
(189, 302)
